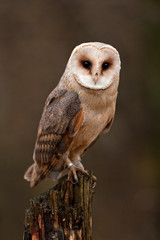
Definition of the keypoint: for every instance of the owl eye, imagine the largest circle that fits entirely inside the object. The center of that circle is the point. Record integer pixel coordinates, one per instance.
(86, 64)
(105, 66)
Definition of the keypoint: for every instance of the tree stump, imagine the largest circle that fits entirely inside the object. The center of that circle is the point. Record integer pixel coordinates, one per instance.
(64, 212)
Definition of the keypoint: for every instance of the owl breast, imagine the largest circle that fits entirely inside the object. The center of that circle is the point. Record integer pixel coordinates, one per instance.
(95, 120)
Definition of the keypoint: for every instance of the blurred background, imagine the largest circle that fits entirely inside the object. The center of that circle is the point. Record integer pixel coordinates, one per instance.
(36, 39)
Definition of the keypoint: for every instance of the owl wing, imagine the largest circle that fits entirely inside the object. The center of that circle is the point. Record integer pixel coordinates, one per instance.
(60, 121)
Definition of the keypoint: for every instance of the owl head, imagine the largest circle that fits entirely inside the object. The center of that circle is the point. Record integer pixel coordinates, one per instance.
(94, 65)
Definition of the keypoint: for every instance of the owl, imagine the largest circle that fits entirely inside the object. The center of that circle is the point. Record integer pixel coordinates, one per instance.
(76, 112)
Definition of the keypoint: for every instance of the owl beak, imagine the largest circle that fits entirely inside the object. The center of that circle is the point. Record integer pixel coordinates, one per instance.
(95, 78)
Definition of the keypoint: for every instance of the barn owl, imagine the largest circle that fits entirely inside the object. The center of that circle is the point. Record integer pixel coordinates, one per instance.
(76, 112)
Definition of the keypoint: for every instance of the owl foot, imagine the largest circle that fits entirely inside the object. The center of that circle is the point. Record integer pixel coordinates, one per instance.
(73, 175)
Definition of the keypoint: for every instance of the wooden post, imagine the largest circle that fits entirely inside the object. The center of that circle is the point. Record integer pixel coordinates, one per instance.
(64, 212)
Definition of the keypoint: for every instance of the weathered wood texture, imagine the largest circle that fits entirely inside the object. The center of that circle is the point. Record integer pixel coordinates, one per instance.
(64, 212)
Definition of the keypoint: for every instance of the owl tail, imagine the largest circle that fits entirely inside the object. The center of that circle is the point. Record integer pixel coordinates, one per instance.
(32, 175)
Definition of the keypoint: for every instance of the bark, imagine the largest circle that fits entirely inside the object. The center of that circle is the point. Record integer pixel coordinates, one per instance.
(64, 212)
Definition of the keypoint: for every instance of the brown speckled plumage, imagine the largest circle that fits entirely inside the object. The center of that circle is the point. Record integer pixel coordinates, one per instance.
(59, 122)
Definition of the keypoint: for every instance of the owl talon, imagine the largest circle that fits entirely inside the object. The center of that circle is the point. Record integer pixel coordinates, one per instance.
(71, 181)
(72, 173)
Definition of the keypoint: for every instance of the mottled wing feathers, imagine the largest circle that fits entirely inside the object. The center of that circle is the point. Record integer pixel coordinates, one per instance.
(61, 119)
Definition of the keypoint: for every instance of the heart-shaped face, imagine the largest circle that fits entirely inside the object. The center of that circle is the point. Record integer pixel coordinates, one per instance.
(95, 65)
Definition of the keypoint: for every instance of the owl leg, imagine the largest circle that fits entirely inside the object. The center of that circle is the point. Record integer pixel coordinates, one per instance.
(73, 169)
(73, 172)
(79, 164)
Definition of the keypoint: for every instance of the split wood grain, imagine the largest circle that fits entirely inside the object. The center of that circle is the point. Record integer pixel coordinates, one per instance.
(64, 212)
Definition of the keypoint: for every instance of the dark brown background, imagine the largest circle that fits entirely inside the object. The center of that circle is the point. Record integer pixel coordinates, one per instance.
(36, 39)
